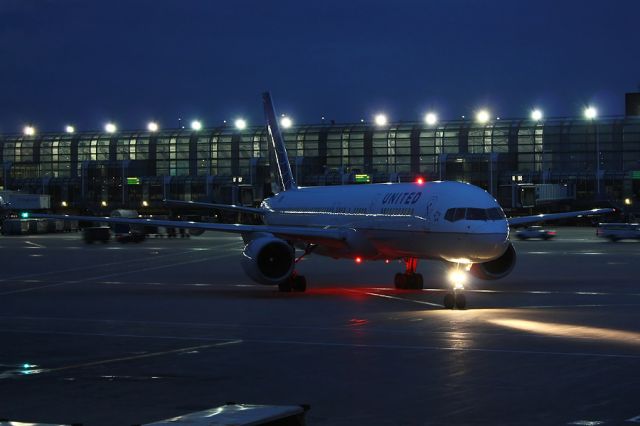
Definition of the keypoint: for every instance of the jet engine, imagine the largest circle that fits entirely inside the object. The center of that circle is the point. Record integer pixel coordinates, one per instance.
(497, 268)
(268, 260)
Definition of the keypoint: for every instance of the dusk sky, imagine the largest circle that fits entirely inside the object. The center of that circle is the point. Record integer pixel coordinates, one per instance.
(89, 61)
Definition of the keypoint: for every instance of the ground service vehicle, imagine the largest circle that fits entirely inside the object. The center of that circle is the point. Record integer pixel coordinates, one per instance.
(96, 233)
(535, 232)
(619, 231)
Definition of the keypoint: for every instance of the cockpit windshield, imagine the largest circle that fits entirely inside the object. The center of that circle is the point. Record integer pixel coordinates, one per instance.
(470, 213)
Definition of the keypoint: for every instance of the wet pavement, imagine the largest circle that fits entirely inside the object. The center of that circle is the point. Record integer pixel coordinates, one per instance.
(123, 334)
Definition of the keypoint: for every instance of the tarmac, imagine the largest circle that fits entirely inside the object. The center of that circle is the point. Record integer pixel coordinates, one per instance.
(124, 334)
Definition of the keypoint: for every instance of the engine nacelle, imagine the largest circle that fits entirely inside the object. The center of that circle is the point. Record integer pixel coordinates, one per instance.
(497, 268)
(268, 260)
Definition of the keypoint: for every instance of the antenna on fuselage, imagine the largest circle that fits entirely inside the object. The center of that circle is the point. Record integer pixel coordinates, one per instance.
(286, 180)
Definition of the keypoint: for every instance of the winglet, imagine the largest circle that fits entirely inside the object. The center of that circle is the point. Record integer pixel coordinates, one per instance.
(282, 160)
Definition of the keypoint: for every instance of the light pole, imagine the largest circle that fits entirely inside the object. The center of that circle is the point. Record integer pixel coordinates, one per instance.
(591, 114)
(537, 115)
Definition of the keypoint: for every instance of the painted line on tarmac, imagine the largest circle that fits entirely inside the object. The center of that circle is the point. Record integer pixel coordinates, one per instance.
(591, 305)
(39, 371)
(319, 344)
(386, 296)
(124, 262)
(35, 245)
(115, 274)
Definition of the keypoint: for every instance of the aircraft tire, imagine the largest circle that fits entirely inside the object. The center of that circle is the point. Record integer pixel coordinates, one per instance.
(461, 301)
(417, 282)
(400, 281)
(285, 286)
(299, 283)
(449, 301)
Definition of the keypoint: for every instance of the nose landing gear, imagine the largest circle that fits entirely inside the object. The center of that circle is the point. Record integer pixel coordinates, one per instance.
(456, 298)
(410, 279)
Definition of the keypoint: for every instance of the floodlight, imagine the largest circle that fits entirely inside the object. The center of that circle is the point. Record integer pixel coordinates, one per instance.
(483, 116)
(196, 125)
(536, 115)
(590, 112)
(381, 119)
(286, 122)
(431, 118)
(240, 124)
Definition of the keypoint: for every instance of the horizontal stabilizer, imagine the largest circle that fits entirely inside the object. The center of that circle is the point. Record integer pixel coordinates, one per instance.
(215, 206)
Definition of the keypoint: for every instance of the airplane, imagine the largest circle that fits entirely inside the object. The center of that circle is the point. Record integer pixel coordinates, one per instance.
(454, 222)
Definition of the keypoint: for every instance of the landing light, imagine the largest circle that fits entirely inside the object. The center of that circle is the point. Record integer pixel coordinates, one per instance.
(458, 278)
(152, 126)
(196, 125)
(627, 201)
(29, 130)
(64, 204)
(69, 129)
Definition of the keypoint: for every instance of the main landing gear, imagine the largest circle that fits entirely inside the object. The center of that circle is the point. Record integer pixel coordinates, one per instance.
(295, 282)
(410, 279)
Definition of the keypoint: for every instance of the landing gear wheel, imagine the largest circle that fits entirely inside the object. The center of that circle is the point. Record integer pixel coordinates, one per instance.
(455, 299)
(449, 301)
(415, 281)
(299, 283)
(400, 280)
(285, 286)
(461, 301)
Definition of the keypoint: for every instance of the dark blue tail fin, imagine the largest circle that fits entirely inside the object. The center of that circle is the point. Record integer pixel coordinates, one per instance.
(285, 176)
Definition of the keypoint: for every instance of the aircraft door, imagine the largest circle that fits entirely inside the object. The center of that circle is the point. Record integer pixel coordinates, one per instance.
(432, 213)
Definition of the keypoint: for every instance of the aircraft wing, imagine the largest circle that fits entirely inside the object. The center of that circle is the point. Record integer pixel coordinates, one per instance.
(228, 207)
(522, 220)
(315, 235)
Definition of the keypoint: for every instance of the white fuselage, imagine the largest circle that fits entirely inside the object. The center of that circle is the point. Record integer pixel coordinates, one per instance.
(398, 220)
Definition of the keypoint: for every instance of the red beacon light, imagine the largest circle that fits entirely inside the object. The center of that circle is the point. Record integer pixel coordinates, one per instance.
(358, 260)
(420, 180)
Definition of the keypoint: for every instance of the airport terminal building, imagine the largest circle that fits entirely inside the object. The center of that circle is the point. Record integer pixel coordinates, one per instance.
(571, 159)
